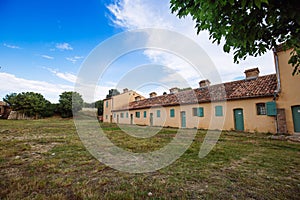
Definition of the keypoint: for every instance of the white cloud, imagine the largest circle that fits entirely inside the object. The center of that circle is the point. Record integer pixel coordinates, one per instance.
(65, 76)
(11, 46)
(135, 14)
(64, 46)
(15, 84)
(47, 57)
(74, 59)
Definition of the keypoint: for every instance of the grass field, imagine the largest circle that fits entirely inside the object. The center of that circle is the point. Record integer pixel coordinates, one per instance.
(45, 159)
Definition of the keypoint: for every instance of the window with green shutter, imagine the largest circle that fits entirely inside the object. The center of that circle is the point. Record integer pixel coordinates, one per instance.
(145, 114)
(137, 114)
(200, 112)
(122, 115)
(271, 108)
(219, 111)
(106, 104)
(126, 114)
(158, 113)
(172, 113)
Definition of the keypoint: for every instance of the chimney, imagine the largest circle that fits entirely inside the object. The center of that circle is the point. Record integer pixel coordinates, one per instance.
(204, 83)
(152, 94)
(125, 90)
(174, 90)
(137, 98)
(252, 73)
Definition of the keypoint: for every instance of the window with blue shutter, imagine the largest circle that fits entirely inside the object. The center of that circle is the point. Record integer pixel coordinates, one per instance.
(271, 108)
(200, 112)
(219, 111)
(172, 113)
(137, 114)
(158, 113)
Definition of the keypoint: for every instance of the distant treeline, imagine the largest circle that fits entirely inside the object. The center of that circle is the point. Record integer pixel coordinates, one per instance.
(35, 105)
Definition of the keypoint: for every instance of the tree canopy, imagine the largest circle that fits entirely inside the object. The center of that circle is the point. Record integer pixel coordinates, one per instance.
(70, 103)
(29, 103)
(249, 28)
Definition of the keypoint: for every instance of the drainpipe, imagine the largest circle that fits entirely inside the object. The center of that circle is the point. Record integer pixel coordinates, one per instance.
(278, 89)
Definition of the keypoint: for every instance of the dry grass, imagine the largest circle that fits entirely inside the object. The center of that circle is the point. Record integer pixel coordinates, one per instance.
(44, 159)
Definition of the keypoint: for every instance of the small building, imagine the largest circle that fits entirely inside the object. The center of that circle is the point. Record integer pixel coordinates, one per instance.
(4, 110)
(269, 103)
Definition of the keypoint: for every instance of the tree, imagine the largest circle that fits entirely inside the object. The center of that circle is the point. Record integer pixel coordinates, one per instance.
(29, 103)
(99, 106)
(249, 28)
(112, 92)
(70, 103)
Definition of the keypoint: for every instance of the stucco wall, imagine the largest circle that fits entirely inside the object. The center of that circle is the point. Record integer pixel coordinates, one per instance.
(289, 95)
(252, 121)
(107, 110)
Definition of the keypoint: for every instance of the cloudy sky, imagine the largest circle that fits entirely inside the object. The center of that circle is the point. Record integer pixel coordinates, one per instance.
(43, 45)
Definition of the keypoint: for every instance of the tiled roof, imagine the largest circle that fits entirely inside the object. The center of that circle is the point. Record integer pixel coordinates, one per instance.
(2, 103)
(263, 86)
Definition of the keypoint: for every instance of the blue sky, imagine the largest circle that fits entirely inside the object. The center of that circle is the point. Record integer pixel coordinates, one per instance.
(43, 44)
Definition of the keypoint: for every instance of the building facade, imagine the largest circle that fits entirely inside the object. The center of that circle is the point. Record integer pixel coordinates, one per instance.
(268, 103)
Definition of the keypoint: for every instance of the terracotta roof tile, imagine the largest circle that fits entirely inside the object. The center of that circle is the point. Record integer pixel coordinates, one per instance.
(259, 87)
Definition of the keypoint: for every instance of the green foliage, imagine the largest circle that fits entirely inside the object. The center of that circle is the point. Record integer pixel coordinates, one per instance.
(99, 106)
(249, 28)
(70, 103)
(112, 92)
(29, 103)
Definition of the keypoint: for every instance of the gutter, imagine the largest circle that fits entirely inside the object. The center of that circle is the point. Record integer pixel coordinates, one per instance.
(278, 89)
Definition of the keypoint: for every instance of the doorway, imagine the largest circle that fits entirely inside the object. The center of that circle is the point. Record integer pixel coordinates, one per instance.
(238, 119)
(131, 119)
(183, 119)
(296, 118)
(151, 119)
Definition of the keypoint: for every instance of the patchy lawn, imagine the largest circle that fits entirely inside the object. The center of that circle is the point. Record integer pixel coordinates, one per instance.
(45, 159)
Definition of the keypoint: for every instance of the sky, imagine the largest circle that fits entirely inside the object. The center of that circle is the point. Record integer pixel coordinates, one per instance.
(44, 44)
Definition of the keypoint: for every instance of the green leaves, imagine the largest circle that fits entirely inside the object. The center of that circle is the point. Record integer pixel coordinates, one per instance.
(29, 103)
(250, 27)
(70, 103)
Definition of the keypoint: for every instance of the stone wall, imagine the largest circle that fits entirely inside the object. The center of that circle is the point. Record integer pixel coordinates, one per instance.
(18, 115)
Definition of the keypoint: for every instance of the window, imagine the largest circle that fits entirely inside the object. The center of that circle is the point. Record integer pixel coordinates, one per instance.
(261, 109)
(219, 111)
(195, 112)
(172, 113)
(198, 112)
(158, 113)
(126, 114)
(122, 115)
(106, 104)
(106, 116)
(145, 114)
(137, 114)
(114, 115)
